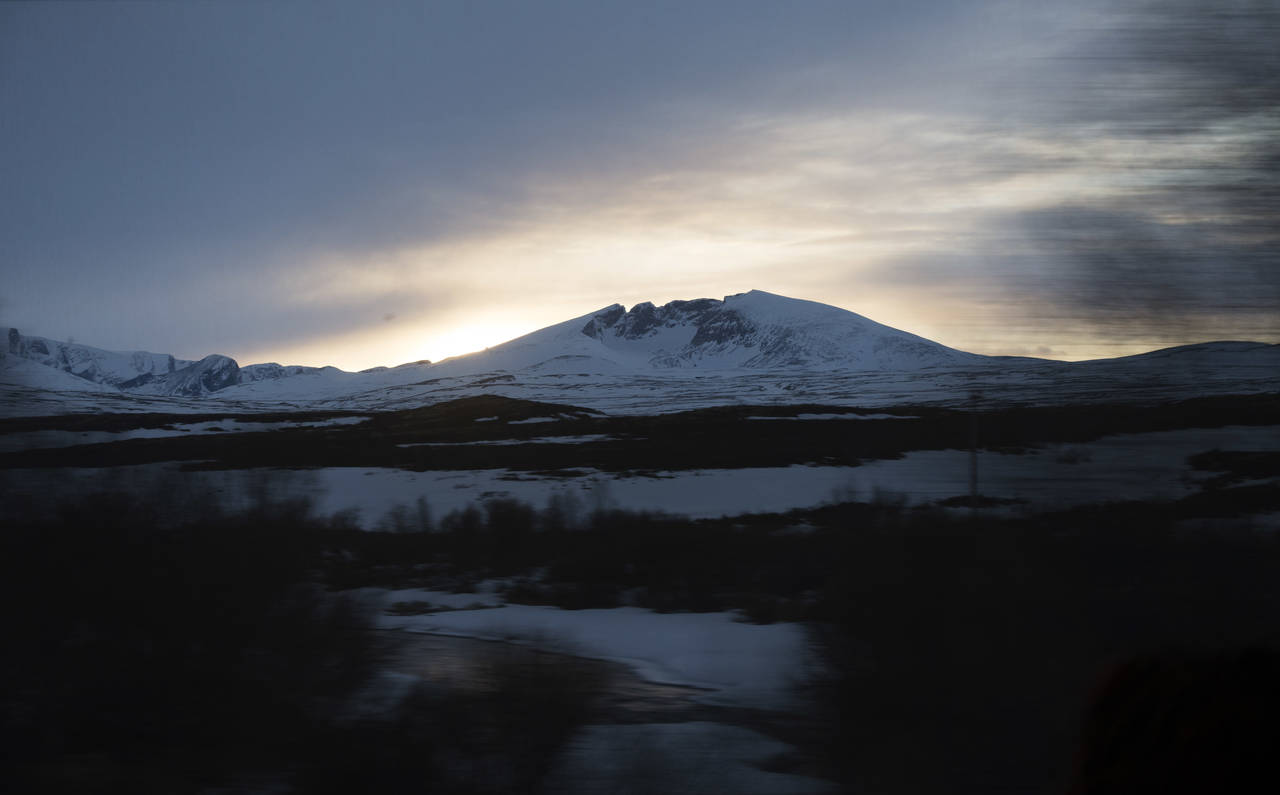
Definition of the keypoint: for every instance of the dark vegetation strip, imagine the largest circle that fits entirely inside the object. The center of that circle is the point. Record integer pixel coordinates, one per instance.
(166, 655)
(148, 655)
(963, 651)
(705, 438)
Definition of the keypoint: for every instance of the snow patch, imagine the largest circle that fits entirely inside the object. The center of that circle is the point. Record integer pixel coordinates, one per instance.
(594, 437)
(739, 664)
(837, 417)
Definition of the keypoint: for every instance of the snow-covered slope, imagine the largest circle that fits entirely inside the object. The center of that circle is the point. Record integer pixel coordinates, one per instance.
(43, 363)
(752, 347)
(1204, 354)
(112, 368)
(19, 371)
(754, 330)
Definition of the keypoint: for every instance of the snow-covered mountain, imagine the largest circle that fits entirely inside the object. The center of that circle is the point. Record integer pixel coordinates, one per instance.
(112, 368)
(139, 372)
(754, 347)
(755, 330)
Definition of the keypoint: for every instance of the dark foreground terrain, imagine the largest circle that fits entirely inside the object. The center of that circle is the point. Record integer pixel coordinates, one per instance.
(214, 649)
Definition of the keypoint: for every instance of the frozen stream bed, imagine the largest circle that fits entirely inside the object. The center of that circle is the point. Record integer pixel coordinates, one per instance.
(675, 687)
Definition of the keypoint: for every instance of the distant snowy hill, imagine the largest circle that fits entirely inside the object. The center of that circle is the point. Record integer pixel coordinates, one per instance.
(123, 370)
(750, 347)
(139, 372)
(755, 330)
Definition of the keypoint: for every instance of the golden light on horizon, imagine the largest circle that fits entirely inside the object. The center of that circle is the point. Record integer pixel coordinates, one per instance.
(470, 338)
(791, 205)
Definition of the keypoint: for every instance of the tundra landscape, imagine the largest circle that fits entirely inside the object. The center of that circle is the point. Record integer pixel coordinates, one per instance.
(585, 398)
(647, 589)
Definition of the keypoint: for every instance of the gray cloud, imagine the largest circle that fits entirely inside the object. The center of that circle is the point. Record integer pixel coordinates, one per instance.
(150, 149)
(339, 127)
(1136, 274)
(1187, 95)
(225, 176)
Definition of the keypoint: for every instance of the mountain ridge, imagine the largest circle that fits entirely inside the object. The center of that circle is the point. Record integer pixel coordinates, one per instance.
(752, 330)
(755, 331)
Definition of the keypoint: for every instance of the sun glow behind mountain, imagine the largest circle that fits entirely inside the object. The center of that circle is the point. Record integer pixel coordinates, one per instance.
(1023, 178)
(464, 339)
(396, 342)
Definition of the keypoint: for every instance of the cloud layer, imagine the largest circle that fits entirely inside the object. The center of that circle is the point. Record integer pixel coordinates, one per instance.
(331, 184)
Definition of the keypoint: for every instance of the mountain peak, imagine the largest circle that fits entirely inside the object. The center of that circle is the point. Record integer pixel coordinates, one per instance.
(112, 368)
(757, 329)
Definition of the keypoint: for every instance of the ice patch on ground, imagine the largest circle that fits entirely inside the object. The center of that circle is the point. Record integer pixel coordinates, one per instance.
(702, 493)
(1132, 466)
(592, 437)
(838, 417)
(740, 664)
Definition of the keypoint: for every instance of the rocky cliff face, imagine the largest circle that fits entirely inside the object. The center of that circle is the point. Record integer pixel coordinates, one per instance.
(125, 370)
(207, 375)
(762, 330)
(272, 371)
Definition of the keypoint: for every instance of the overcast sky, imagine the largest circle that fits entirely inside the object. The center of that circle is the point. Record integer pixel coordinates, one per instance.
(370, 183)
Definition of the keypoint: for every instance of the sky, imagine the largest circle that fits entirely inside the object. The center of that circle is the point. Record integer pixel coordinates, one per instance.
(364, 184)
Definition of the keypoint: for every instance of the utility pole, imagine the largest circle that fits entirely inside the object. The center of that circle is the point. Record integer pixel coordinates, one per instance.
(973, 450)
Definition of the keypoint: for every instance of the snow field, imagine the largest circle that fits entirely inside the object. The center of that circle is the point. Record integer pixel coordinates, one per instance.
(1120, 467)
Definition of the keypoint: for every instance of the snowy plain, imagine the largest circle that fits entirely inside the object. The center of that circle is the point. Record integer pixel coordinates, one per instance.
(660, 392)
(1121, 466)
